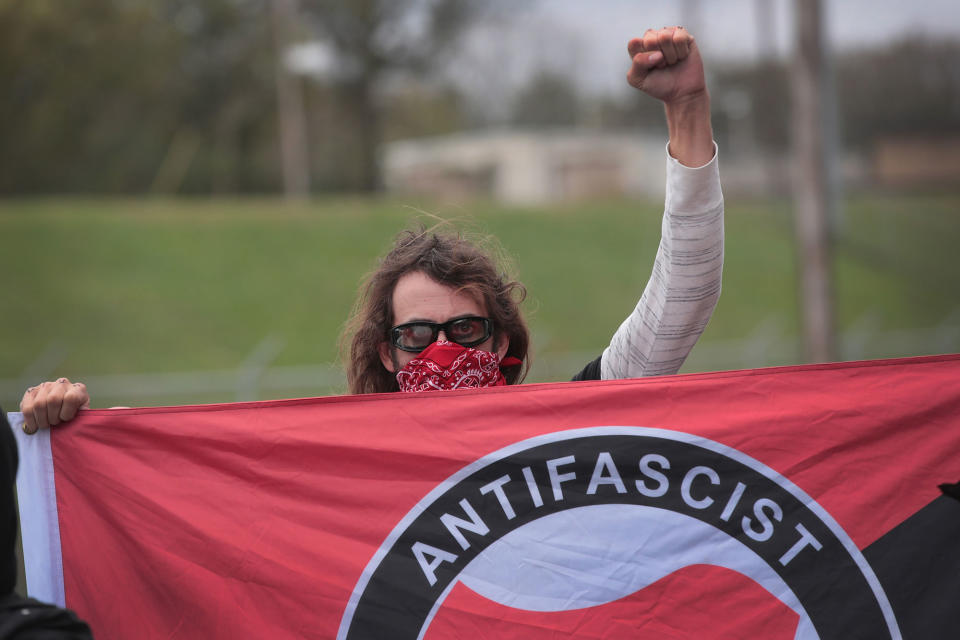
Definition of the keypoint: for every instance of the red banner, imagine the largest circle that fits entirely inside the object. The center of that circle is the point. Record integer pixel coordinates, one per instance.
(780, 503)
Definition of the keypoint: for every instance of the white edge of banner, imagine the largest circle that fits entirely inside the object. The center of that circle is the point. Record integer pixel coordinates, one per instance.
(39, 524)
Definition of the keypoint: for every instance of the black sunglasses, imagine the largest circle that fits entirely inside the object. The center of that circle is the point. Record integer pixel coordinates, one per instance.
(417, 336)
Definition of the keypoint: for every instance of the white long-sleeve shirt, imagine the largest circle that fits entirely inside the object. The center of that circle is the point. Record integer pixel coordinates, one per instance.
(684, 287)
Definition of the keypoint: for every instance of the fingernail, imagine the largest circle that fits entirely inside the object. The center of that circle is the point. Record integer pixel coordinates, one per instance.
(61, 379)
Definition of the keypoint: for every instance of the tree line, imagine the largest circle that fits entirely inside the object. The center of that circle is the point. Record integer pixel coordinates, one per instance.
(181, 96)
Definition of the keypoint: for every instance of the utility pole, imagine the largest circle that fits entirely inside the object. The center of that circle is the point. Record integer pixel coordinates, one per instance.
(294, 160)
(765, 25)
(810, 185)
(771, 167)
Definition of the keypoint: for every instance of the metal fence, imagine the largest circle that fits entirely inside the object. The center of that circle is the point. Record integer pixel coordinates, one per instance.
(768, 344)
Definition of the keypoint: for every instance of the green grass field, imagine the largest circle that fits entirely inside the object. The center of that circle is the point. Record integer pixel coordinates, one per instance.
(150, 286)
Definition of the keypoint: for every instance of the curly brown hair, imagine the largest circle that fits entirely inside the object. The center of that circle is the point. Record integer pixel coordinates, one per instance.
(452, 260)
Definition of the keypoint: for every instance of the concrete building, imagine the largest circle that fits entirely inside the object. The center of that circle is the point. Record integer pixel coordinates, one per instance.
(917, 161)
(528, 167)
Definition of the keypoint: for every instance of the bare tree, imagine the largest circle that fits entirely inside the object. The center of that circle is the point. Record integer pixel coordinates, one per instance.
(374, 39)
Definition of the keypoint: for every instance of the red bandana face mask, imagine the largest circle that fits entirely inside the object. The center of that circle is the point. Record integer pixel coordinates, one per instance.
(446, 365)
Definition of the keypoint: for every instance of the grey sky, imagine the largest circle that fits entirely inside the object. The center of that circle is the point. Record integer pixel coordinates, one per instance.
(591, 35)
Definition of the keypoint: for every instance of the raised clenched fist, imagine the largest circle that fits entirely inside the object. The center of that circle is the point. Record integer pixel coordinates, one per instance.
(667, 65)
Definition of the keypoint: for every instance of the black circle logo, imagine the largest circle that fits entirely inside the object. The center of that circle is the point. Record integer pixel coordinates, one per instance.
(694, 500)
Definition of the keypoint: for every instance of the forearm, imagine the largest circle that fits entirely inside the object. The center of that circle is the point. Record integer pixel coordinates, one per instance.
(691, 135)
